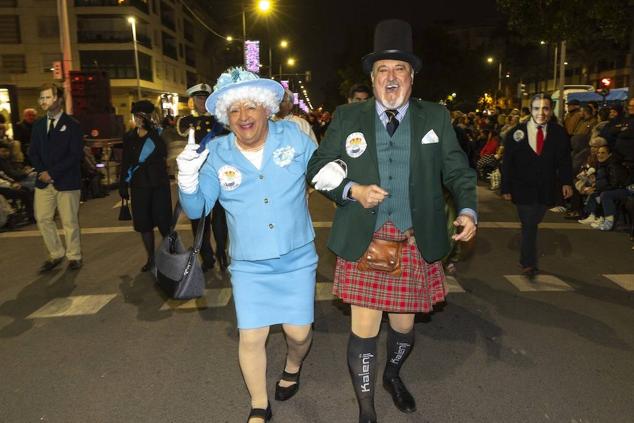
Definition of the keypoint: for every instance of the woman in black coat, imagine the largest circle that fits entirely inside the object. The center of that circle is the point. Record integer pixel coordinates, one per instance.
(144, 178)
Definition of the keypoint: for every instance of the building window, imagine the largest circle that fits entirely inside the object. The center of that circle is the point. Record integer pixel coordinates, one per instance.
(192, 79)
(8, 3)
(10, 33)
(13, 63)
(170, 48)
(119, 64)
(47, 27)
(188, 30)
(110, 29)
(48, 59)
(190, 56)
(167, 16)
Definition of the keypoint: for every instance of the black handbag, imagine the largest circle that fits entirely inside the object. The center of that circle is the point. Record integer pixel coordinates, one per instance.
(124, 211)
(177, 271)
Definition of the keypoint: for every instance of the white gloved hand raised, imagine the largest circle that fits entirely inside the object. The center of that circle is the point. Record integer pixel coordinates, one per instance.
(330, 176)
(189, 163)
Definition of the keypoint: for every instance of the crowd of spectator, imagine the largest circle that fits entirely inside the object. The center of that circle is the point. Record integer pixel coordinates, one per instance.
(602, 152)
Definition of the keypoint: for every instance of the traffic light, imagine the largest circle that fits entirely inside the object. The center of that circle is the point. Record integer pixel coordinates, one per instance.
(604, 86)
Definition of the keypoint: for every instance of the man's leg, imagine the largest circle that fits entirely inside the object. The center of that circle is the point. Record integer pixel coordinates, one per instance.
(252, 357)
(530, 216)
(45, 204)
(68, 206)
(608, 202)
(400, 342)
(365, 324)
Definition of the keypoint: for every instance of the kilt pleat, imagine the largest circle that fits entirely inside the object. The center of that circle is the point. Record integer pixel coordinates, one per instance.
(420, 286)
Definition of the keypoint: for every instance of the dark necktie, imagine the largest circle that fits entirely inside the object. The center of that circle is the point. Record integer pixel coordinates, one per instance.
(540, 140)
(51, 126)
(392, 122)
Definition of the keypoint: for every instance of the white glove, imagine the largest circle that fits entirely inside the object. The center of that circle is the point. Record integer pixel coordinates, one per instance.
(189, 163)
(330, 176)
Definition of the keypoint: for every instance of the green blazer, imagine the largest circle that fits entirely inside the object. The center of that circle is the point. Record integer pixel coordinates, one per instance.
(432, 166)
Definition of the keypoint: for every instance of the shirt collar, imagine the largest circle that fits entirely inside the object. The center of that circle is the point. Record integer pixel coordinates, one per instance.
(55, 117)
(380, 110)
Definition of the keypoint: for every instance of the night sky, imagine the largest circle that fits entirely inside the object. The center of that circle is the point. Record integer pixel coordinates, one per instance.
(327, 35)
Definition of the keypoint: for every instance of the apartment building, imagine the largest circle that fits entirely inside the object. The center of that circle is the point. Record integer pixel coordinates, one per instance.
(174, 49)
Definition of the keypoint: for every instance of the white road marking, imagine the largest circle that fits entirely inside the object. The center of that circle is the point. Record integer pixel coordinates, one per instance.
(72, 306)
(218, 297)
(539, 284)
(453, 286)
(624, 281)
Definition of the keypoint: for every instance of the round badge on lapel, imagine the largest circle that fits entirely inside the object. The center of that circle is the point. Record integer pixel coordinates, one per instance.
(230, 178)
(355, 144)
(518, 135)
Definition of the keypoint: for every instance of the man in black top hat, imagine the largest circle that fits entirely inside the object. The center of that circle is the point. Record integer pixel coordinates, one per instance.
(205, 125)
(389, 231)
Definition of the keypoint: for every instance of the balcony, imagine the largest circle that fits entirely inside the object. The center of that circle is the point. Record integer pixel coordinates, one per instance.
(141, 5)
(118, 64)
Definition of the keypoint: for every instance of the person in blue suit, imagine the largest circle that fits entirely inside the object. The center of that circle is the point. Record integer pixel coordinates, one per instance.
(258, 173)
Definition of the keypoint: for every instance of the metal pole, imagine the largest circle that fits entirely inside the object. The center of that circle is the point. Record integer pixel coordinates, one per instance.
(244, 36)
(136, 61)
(64, 38)
(500, 76)
(555, 69)
(562, 80)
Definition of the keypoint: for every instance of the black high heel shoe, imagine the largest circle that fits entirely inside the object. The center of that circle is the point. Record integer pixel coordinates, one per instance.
(283, 393)
(261, 413)
(148, 265)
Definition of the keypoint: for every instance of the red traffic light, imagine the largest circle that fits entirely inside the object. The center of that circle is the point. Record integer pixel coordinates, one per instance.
(606, 82)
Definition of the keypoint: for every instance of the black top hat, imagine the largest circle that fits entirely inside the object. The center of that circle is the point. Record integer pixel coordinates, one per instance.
(142, 106)
(392, 41)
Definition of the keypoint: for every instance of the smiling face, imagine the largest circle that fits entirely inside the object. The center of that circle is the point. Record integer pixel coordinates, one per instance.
(541, 111)
(392, 82)
(248, 120)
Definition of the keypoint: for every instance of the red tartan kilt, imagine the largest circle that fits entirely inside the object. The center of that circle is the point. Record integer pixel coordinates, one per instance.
(420, 286)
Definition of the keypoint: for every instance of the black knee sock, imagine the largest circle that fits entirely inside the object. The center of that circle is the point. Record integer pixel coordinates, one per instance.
(399, 345)
(362, 366)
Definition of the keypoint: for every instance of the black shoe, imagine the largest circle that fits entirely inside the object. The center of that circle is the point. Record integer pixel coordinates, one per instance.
(283, 393)
(74, 264)
(261, 413)
(149, 264)
(530, 272)
(221, 256)
(49, 265)
(403, 400)
(363, 419)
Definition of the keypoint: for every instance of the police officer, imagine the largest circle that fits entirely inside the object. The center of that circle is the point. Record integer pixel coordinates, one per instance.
(205, 125)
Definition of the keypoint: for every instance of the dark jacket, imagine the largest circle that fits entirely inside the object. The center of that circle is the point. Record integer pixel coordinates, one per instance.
(153, 171)
(610, 175)
(432, 167)
(60, 154)
(11, 170)
(532, 179)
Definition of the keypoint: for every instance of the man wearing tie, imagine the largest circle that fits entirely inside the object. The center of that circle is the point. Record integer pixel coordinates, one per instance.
(56, 152)
(536, 158)
(390, 229)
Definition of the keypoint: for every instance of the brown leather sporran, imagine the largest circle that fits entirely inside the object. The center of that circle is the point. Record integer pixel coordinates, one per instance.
(382, 256)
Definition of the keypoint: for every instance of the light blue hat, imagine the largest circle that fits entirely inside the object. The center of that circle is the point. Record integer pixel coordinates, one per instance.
(237, 77)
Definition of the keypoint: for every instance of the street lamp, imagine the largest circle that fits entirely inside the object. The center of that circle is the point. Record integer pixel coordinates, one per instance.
(264, 7)
(132, 21)
(283, 43)
(491, 60)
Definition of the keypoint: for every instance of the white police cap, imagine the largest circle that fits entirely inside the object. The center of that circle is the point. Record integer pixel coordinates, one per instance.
(199, 89)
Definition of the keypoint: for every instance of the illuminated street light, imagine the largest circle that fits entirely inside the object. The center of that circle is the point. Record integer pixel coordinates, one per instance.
(283, 43)
(542, 42)
(490, 59)
(229, 38)
(290, 61)
(264, 5)
(132, 21)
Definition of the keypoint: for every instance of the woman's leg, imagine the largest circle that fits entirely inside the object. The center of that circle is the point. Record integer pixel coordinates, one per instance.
(148, 243)
(252, 357)
(298, 340)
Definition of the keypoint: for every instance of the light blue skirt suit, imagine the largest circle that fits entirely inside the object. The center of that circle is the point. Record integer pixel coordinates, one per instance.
(273, 257)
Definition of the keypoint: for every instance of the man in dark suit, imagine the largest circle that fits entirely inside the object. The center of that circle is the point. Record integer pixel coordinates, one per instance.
(398, 152)
(536, 157)
(56, 152)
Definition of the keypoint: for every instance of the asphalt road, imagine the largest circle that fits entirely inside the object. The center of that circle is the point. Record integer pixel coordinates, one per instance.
(102, 344)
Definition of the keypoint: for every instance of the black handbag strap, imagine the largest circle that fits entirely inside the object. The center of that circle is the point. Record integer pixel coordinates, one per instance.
(198, 239)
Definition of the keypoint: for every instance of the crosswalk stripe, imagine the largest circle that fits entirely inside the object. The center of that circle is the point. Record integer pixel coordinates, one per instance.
(625, 281)
(453, 287)
(78, 305)
(538, 284)
(217, 297)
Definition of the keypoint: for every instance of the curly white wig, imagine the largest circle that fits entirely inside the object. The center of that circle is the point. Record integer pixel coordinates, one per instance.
(262, 96)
